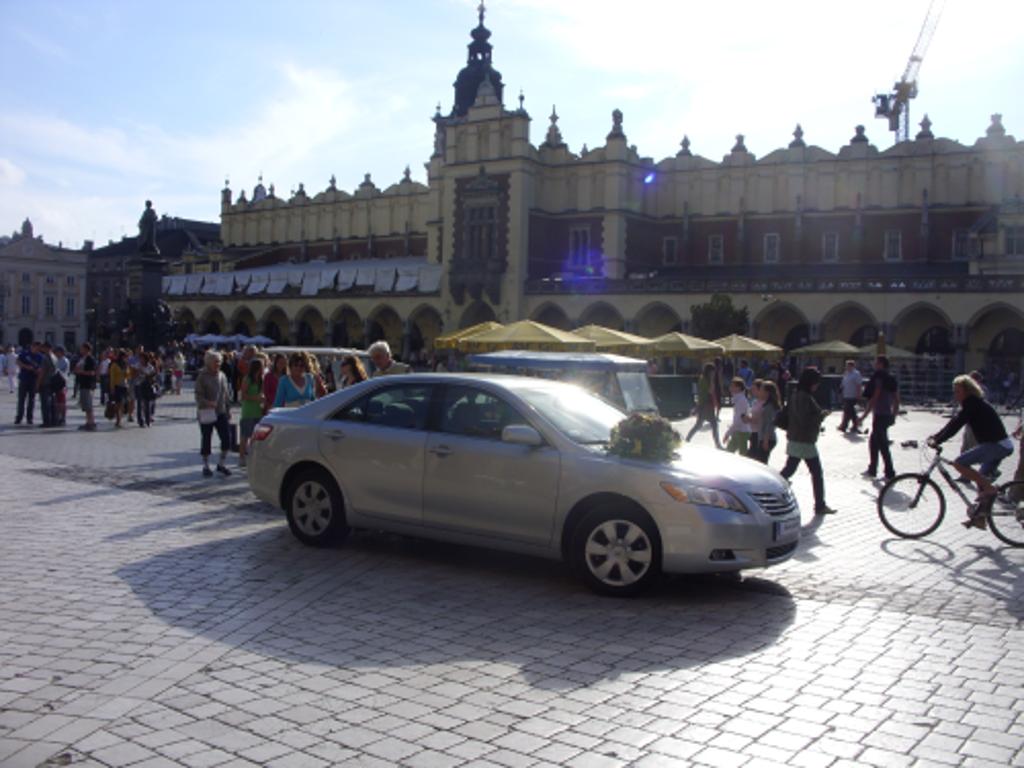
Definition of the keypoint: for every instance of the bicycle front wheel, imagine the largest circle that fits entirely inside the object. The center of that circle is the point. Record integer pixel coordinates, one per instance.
(911, 506)
(1006, 518)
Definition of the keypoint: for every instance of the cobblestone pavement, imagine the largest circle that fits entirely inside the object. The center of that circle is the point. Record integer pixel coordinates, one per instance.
(150, 617)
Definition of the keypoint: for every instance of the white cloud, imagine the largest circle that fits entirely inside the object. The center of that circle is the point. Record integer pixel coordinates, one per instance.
(10, 174)
(42, 45)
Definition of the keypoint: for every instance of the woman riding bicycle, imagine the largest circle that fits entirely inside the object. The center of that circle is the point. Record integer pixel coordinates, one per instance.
(993, 446)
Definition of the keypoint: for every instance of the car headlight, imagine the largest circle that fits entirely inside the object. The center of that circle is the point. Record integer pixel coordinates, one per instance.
(704, 496)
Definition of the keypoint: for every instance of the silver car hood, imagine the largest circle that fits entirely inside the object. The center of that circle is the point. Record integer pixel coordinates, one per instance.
(720, 469)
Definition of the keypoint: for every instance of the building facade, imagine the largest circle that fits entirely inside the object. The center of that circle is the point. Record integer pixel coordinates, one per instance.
(922, 242)
(42, 292)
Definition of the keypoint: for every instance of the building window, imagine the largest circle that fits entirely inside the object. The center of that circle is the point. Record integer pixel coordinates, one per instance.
(70, 282)
(716, 249)
(669, 250)
(893, 250)
(482, 232)
(579, 246)
(961, 245)
(771, 248)
(69, 306)
(26, 278)
(830, 247)
(48, 337)
(1015, 241)
(215, 266)
(69, 340)
(48, 306)
(50, 280)
(26, 305)
(3, 306)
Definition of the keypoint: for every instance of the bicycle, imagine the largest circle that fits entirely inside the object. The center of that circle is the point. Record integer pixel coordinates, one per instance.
(912, 505)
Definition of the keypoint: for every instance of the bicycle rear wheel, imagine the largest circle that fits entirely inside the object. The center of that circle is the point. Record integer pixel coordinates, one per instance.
(911, 505)
(1006, 517)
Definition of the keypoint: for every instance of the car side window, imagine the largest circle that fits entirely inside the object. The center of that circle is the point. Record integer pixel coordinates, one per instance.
(404, 406)
(474, 413)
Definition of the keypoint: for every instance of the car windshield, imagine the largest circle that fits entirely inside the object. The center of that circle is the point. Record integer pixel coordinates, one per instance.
(636, 391)
(581, 416)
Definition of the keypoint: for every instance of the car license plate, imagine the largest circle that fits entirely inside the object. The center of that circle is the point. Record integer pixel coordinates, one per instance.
(785, 528)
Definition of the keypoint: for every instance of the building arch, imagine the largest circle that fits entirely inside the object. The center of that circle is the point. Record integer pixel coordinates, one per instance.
(346, 327)
(243, 321)
(309, 327)
(476, 313)
(604, 314)
(995, 340)
(425, 325)
(918, 321)
(184, 321)
(783, 324)
(656, 319)
(851, 322)
(274, 324)
(213, 321)
(384, 323)
(552, 315)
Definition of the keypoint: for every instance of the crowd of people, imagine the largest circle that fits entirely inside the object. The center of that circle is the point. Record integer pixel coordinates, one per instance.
(759, 410)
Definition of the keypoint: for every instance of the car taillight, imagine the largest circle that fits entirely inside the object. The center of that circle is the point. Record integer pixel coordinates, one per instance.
(262, 432)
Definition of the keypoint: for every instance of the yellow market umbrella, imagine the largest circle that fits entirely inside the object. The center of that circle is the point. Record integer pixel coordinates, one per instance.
(681, 345)
(893, 353)
(741, 345)
(616, 342)
(451, 340)
(826, 349)
(526, 334)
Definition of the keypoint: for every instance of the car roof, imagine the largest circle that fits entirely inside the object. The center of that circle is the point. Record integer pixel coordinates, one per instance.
(586, 361)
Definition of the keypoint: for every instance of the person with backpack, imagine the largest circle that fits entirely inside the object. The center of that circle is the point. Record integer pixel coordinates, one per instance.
(802, 423)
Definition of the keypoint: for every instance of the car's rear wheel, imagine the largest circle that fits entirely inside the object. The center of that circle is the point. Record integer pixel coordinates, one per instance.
(316, 512)
(616, 550)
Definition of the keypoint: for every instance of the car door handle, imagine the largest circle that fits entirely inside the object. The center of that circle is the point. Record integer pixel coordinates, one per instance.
(336, 434)
(441, 450)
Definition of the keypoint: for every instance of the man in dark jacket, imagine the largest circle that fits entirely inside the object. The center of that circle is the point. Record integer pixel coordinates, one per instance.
(883, 395)
(993, 446)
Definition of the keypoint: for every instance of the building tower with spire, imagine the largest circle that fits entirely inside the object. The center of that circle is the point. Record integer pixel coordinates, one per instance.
(478, 69)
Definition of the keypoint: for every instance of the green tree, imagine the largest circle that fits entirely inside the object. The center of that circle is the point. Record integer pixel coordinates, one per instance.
(718, 318)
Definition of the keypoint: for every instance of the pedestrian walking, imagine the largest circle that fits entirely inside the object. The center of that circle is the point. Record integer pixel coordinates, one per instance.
(117, 374)
(297, 387)
(762, 443)
(87, 372)
(213, 405)
(383, 362)
(60, 394)
(883, 394)
(852, 387)
(352, 371)
(804, 417)
(707, 404)
(252, 405)
(45, 384)
(178, 371)
(313, 368)
(103, 378)
(29, 360)
(145, 381)
(277, 371)
(737, 437)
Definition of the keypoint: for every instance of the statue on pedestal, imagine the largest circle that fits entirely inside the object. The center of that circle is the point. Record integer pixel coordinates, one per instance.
(147, 230)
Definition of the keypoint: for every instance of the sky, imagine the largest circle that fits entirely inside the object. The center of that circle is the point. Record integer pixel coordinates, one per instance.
(108, 103)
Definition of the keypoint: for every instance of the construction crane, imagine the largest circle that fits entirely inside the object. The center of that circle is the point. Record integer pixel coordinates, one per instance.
(895, 106)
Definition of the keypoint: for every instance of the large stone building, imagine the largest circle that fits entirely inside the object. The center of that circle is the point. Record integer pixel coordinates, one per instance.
(42, 291)
(923, 242)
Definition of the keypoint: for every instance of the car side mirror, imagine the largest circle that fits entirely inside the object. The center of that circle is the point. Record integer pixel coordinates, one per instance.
(521, 434)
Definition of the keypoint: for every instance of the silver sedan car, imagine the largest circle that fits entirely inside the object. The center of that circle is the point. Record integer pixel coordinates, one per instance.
(517, 464)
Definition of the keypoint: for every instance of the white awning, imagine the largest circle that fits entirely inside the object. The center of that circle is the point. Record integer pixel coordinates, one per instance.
(258, 283)
(408, 278)
(194, 284)
(242, 278)
(176, 285)
(295, 277)
(347, 277)
(165, 285)
(225, 283)
(310, 282)
(385, 281)
(430, 278)
(277, 284)
(327, 277)
(367, 276)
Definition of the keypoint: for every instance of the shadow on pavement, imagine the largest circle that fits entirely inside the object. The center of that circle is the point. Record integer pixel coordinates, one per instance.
(383, 601)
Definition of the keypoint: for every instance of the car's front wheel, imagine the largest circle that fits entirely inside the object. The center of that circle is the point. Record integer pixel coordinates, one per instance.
(616, 550)
(316, 513)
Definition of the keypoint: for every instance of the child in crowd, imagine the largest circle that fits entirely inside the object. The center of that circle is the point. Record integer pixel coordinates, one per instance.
(737, 437)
